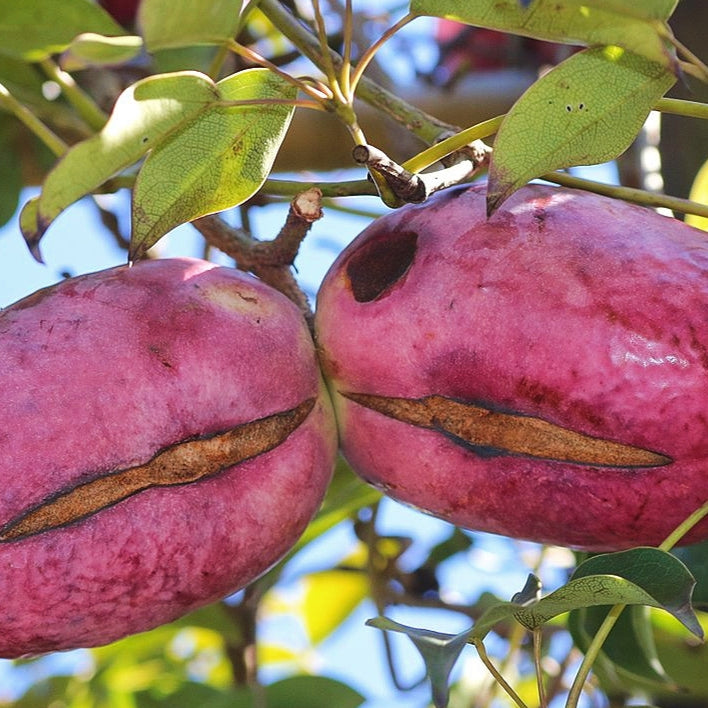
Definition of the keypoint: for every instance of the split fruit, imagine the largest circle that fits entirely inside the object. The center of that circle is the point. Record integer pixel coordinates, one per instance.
(165, 438)
(542, 374)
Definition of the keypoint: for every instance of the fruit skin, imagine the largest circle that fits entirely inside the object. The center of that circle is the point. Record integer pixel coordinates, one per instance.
(100, 372)
(583, 311)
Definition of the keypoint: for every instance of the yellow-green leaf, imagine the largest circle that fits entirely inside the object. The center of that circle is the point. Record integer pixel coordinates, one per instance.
(182, 23)
(585, 111)
(637, 26)
(278, 654)
(330, 597)
(36, 29)
(699, 193)
(143, 115)
(214, 162)
(91, 49)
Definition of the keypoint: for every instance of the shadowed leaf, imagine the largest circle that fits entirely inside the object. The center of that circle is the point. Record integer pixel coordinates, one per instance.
(439, 651)
(181, 23)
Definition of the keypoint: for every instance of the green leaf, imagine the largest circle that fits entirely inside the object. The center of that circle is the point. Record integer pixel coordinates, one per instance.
(142, 117)
(330, 597)
(181, 23)
(640, 576)
(28, 226)
(214, 162)
(439, 651)
(22, 80)
(311, 692)
(10, 168)
(629, 647)
(695, 557)
(91, 49)
(639, 27)
(684, 659)
(661, 574)
(586, 110)
(36, 29)
(456, 542)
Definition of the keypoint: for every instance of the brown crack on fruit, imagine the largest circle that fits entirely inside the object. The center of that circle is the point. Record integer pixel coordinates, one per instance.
(490, 432)
(379, 264)
(183, 462)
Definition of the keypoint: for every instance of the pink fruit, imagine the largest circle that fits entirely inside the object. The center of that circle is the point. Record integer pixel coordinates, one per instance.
(165, 438)
(542, 374)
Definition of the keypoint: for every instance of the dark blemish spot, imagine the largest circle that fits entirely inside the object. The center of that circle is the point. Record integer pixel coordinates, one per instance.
(145, 139)
(569, 109)
(581, 106)
(380, 263)
(539, 215)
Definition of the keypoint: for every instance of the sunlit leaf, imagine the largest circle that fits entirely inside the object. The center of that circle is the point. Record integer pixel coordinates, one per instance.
(699, 193)
(90, 49)
(277, 654)
(587, 110)
(180, 23)
(36, 29)
(144, 114)
(637, 26)
(684, 659)
(330, 597)
(439, 651)
(214, 162)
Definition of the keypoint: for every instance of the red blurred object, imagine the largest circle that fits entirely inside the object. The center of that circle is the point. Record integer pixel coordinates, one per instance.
(464, 49)
(122, 11)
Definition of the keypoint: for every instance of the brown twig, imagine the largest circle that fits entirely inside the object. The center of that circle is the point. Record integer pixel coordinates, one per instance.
(271, 261)
(412, 187)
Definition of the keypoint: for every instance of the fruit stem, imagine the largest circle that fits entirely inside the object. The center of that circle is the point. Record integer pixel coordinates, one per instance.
(453, 143)
(681, 107)
(418, 122)
(482, 652)
(591, 655)
(289, 188)
(22, 113)
(613, 615)
(630, 194)
(684, 527)
(370, 53)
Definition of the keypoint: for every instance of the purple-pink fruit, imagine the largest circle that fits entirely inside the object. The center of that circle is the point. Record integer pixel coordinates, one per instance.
(165, 438)
(542, 374)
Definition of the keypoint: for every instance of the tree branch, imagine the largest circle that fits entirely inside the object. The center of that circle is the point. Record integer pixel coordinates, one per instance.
(271, 261)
